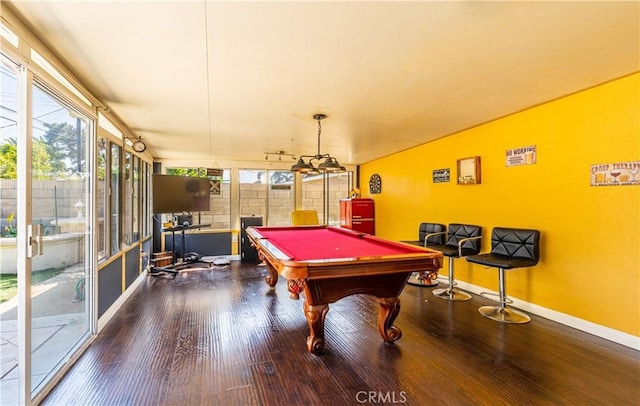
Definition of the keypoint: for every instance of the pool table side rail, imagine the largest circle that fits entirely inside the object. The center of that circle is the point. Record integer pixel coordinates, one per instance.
(366, 266)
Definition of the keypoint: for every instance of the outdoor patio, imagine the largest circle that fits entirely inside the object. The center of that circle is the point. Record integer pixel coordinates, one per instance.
(59, 318)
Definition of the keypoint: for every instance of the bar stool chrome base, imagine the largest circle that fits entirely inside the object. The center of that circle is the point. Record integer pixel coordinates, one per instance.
(504, 314)
(451, 293)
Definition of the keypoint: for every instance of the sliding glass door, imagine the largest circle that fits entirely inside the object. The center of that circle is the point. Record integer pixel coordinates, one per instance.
(60, 203)
(47, 219)
(12, 346)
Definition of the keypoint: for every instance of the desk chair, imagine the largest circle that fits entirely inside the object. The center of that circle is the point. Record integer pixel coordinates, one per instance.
(462, 240)
(510, 248)
(428, 234)
(304, 218)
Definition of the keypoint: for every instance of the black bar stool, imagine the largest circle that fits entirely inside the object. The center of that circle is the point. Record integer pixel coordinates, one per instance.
(462, 240)
(510, 248)
(428, 234)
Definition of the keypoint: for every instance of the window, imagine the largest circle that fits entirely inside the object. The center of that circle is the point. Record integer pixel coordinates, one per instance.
(62, 196)
(102, 196)
(146, 199)
(280, 199)
(8, 137)
(9, 35)
(267, 194)
(114, 190)
(127, 213)
(219, 214)
(323, 193)
(105, 123)
(136, 208)
(253, 193)
(135, 202)
(50, 69)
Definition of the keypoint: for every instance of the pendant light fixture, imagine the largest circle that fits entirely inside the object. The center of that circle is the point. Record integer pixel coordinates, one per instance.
(325, 162)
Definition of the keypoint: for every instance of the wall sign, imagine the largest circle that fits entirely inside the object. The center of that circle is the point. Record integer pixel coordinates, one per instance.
(215, 178)
(615, 174)
(521, 156)
(441, 175)
(214, 186)
(215, 172)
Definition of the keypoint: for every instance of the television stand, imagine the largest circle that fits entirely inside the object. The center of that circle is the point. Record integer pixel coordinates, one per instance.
(187, 258)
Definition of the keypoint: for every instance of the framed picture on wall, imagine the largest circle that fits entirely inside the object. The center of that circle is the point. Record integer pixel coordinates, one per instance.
(469, 171)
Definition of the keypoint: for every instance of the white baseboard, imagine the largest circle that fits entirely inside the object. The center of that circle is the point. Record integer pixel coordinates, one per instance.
(607, 333)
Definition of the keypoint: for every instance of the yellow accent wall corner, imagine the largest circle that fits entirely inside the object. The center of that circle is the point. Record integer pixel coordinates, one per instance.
(590, 252)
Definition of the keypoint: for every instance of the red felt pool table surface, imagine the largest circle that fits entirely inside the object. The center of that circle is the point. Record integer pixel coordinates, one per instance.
(328, 263)
(327, 243)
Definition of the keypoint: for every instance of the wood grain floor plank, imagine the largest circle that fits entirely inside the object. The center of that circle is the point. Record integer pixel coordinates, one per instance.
(220, 336)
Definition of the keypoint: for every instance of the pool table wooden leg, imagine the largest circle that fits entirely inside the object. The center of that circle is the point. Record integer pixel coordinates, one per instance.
(272, 278)
(315, 317)
(389, 310)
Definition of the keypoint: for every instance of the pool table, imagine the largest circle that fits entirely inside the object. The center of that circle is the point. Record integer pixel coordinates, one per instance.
(328, 263)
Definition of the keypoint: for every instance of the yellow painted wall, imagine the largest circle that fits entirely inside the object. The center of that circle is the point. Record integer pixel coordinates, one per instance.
(590, 252)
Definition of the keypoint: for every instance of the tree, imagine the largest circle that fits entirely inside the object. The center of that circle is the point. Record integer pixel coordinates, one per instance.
(279, 177)
(41, 160)
(8, 160)
(65, 144)
(60, 151)
(193, 172)
(102, 159)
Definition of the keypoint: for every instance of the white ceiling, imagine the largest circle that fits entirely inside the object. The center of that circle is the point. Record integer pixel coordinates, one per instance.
(224, 81)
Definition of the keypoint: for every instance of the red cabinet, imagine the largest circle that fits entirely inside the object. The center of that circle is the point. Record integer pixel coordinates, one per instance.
(358, 214)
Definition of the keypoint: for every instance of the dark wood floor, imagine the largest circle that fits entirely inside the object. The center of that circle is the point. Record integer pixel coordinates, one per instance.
(219, 337)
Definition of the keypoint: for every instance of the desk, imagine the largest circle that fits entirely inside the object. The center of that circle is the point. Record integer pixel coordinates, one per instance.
(182, 229)
(329, 263)
(174, 268)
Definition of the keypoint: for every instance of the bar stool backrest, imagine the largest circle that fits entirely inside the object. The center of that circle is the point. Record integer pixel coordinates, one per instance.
(516, 243)
(457, 232)
(430, 228)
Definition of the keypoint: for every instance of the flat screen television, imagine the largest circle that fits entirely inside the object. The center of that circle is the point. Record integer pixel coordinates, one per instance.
(178, 194)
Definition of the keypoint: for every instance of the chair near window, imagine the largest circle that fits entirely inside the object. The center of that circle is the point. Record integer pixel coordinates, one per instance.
(304, 218)
(510, 248)
(462, 240)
